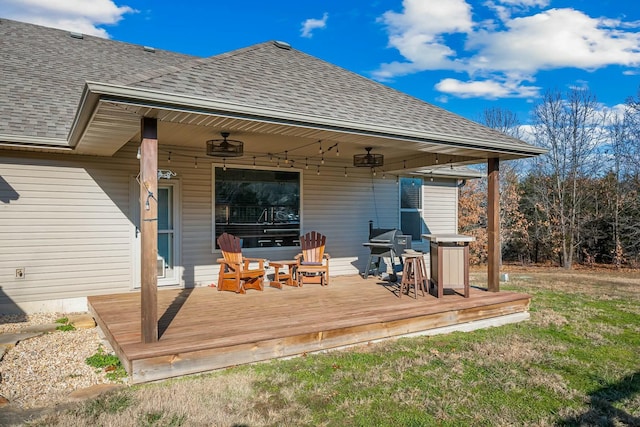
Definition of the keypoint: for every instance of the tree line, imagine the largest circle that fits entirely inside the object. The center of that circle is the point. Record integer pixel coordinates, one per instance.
(580, 202)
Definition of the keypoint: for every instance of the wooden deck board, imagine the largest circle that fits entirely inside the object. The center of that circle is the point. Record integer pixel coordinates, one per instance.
(204, 329)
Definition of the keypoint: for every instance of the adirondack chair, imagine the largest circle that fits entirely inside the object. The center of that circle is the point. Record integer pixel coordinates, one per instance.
(313, 262)
(235, 274)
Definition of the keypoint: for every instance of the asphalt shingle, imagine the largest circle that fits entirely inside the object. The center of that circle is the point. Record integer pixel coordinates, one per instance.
(43, 72)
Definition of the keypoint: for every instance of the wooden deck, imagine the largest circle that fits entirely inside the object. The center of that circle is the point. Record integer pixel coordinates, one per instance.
(202, 329)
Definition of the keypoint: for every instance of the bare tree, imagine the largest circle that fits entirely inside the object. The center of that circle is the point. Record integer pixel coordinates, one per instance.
(513, 227)
(505, 121)
(572, 129)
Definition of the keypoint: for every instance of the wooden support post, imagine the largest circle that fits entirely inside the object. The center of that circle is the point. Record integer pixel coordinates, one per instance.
(493, 225)
(149, 228)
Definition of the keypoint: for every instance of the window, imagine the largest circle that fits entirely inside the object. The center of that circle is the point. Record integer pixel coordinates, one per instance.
(261, 207)
(411, 207)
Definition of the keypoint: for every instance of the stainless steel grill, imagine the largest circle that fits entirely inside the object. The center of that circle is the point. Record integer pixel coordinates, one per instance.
(385, 243)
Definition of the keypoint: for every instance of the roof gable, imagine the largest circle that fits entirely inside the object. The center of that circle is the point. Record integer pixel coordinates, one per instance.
(271, 77)
(47, 75)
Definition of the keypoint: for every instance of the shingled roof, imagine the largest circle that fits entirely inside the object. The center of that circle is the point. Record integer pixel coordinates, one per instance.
(44, 72)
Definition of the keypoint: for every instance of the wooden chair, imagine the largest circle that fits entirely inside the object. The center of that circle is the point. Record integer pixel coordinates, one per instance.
(235, 274)
(313, 262)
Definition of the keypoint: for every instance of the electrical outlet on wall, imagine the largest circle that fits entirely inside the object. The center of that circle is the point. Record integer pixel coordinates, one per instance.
(20, 273)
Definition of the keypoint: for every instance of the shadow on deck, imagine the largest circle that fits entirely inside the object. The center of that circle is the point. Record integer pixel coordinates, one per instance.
(202, 329)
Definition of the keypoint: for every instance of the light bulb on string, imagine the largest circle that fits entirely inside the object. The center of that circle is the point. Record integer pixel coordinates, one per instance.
(254, 162)
(224, 164)
(195, 163)
(345, 172)
(337, 151)
(320, 147)
(286, 157)
(318, 171)
(138, 155)
(306, 163)
(169, 158)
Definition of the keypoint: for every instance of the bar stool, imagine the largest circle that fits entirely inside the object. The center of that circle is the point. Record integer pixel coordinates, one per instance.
(413, 274)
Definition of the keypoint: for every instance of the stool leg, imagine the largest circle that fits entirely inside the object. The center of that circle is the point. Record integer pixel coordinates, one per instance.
(422, 274)
(405, 279)
(416, 277)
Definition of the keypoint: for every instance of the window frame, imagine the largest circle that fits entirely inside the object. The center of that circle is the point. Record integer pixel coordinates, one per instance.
(297, 170)
(419, 211)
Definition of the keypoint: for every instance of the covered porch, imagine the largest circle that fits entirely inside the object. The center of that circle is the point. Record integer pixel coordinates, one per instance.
(202, 329)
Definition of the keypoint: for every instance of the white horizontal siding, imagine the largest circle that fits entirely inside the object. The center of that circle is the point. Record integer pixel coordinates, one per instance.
(65, 220)
(441, 207)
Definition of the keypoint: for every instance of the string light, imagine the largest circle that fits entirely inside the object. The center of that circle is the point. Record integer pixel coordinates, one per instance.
(345, 172)
(254, 162)
(169, 158)
(437, 160)
(286, 157)
(278, 164)
(138, 155)
(224, 164)
(397, 180)
(320, 147)
(322, 160)
(384, 176)
(318, 171)
(404, 164)
(373, 170)
(195, 163)
(306, 163)
(337, 151)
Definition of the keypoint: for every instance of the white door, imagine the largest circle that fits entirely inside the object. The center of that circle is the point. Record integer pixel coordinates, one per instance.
(168, 263)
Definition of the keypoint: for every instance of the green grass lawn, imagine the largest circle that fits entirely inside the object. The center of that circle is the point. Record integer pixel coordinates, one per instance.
(575, 363)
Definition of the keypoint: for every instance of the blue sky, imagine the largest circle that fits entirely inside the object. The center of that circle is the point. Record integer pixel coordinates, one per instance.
(463, 55)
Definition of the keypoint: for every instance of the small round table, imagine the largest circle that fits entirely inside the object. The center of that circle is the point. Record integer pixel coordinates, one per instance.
(286, 277)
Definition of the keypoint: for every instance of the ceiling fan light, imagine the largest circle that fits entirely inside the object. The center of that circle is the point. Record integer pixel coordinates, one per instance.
(225, 147)
(368, 160)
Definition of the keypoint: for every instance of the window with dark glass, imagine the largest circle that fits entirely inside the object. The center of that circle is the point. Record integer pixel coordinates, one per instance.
(261, 207)
(411, 207)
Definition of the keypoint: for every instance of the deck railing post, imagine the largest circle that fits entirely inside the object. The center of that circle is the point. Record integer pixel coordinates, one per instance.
(149, 229)
(493, 225)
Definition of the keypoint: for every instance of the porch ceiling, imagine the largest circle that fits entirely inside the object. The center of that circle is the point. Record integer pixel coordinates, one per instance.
(109, 117)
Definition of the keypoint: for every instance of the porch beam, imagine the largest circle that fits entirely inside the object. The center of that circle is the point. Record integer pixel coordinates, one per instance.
(493, 224)
(149, 228)
(419, 162)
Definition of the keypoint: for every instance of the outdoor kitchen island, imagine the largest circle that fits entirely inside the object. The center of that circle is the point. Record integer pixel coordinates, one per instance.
(449, 262)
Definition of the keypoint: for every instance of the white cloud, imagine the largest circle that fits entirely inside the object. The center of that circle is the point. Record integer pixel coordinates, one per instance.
(490, 89)
(501, 56)
(312, 24)
(553, 39)
(416, 34)
(74, 15)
